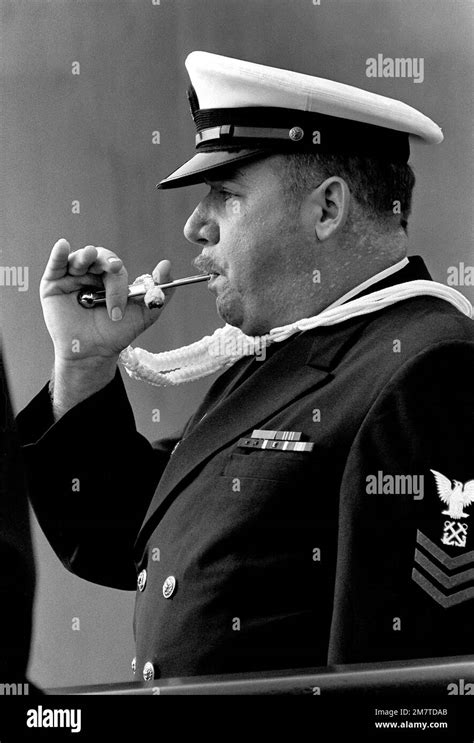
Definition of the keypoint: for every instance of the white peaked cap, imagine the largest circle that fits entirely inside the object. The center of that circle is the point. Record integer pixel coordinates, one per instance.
(244, 110)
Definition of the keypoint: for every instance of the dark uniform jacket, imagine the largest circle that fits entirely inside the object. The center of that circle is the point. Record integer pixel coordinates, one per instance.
(252, 559)
(17, 572)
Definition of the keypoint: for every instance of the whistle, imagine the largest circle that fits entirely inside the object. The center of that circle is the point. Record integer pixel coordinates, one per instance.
(90, 297)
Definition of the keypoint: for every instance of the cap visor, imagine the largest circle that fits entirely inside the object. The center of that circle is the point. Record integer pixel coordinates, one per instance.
(205, 163)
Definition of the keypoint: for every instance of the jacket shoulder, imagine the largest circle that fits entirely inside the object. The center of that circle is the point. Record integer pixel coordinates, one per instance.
(404, 330)
(427, 319)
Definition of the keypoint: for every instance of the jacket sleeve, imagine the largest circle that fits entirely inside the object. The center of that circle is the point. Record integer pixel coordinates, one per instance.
(17, 573)
(91, 477)
(405, 569)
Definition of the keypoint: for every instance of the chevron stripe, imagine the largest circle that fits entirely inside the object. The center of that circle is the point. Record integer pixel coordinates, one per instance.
(451, 563)
(445, 601)
(448, 581)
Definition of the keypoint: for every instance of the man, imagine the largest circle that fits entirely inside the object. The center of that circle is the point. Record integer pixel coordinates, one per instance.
(296, 521)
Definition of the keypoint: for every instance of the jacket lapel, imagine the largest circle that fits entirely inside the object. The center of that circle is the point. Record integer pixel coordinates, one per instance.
(222, 387)
(299, 365)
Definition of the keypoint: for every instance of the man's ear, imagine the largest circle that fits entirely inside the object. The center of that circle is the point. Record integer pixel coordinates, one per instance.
(327, 207)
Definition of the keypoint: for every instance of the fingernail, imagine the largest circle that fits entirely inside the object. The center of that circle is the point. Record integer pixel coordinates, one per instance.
(114, 260)
(116, 314)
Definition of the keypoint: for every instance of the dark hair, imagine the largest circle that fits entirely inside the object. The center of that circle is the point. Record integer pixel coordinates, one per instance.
(382, 188)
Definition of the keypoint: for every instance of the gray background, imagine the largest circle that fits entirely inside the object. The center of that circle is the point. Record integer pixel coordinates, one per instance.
(89, 137)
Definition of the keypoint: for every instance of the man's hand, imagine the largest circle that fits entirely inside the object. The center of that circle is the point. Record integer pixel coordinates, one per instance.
(100, 333)
(87, 342)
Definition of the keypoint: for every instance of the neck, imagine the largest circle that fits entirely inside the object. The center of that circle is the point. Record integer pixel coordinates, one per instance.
(374, 279)
(334, 282)
(360, 255)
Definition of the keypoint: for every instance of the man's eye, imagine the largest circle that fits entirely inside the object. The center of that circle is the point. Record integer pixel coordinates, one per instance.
(226, 195)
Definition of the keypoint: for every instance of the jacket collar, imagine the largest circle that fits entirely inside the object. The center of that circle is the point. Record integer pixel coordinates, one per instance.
(416, 269)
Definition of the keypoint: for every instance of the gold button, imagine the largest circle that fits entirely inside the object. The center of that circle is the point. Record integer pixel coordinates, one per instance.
(141, 582)
(148, 671)
(169, 586)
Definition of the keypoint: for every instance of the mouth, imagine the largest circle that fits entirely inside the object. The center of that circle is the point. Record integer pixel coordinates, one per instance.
(213, 279)
(205, 265)
(210, 270)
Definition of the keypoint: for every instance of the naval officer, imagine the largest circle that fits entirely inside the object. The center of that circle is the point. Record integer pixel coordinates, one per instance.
(316, 508)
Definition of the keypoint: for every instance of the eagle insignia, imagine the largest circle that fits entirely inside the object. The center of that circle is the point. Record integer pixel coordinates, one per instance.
(456, 496)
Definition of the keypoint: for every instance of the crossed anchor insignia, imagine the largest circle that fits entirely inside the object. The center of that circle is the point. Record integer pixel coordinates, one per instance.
(455, 534)
(447, 578)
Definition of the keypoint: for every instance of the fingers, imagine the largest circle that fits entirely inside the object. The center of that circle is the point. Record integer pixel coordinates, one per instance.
(106, 264)
(116, 291)
(162, 272)
(161, 275)
(95, 262)
(93, 259)
(58, 261)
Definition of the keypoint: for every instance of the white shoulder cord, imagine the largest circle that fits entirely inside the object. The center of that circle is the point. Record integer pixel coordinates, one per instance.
(228, 344)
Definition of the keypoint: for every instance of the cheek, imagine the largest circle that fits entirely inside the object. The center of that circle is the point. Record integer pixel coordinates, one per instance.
(253, 247)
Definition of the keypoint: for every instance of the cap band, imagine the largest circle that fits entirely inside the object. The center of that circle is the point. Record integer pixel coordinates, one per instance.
(281, 129)
(239, 132)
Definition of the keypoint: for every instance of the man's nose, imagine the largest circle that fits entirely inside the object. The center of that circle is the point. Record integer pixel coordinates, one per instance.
(200, 228)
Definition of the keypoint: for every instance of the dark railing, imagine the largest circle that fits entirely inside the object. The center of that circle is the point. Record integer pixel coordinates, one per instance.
(443, 677)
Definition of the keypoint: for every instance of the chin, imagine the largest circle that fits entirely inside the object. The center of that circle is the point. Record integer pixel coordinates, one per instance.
(247, 326)
(233, 313)
(230, 312)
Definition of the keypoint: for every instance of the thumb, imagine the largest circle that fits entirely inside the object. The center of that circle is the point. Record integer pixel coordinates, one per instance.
(162, 272)
(57, 265)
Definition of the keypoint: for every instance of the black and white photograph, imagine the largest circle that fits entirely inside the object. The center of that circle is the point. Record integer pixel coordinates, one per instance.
(237, 364)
